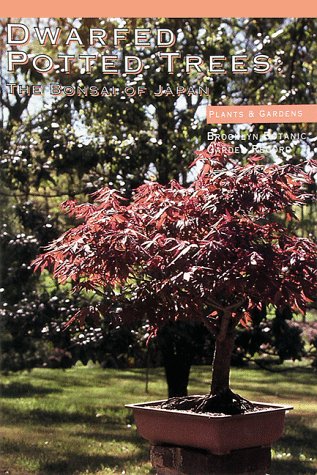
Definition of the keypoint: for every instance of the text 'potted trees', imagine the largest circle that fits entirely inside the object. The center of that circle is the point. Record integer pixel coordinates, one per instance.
(212, 252)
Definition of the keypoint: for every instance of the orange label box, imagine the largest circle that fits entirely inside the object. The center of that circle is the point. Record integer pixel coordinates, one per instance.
(268, 114)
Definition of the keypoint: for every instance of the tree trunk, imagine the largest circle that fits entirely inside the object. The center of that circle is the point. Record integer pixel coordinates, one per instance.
(221, 363)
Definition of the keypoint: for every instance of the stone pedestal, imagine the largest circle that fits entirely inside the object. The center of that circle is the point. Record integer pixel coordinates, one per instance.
(171, 460)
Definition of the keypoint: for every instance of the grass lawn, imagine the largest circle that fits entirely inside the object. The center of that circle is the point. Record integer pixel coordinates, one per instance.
(74, 421)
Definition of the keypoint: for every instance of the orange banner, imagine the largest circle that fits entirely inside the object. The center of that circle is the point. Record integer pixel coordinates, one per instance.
(164, 8)
(271, 114)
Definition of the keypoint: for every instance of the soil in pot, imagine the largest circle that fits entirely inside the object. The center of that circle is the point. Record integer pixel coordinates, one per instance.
(225, 402)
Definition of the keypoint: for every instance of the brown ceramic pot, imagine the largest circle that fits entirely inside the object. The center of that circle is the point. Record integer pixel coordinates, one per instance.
(218, 434)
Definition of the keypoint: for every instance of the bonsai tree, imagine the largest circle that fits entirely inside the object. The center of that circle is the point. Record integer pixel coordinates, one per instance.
(212, 251)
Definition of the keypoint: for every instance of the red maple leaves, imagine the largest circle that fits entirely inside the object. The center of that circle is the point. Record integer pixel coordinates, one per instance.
(191, 252)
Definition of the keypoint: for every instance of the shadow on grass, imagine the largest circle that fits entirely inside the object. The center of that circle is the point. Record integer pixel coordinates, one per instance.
(258, 390)
(45, 416)
(303, 374)
(299, 438)
(68, 378)
(49, 460)
(14, 389)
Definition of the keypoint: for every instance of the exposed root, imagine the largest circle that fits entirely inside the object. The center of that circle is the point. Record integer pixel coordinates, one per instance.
(225, 402)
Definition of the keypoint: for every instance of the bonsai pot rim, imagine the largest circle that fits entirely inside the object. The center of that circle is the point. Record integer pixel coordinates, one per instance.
(218, 434)
(270, 407)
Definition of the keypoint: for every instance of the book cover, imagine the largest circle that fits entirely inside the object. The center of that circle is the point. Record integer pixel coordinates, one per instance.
(116, 102)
